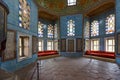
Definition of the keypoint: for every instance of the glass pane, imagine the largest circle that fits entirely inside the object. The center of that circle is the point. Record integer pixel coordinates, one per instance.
(87, 44)
(113, 50)
(40, 43)
(110, 48)
(49, 43)
(110, 42)
(95, 48)
(39, 48)
(56, 45)
(26, 50)
(110, 45)
(26, 46)
(95, 44)
(20, 42)
(26, 43)
(49, 48)
(113, 42)
(20, 51)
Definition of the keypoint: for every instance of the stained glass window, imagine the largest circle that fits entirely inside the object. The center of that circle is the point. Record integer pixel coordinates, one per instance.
(55, 31)
(110, 24)
(95, 28)
(24, 14)
(71, 2)
(50, 31)
(40, 29)
(71, 28)
(87, 27)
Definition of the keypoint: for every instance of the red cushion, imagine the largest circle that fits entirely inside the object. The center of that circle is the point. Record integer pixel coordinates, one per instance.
(101, 54)
(45, 53)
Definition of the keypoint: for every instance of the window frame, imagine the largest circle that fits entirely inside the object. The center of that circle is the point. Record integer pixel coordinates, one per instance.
(87, 44)
(29, 54)
(52, 31)
(92, 44)
(42, 28)
(72, 32)
(50, 46)
(23, 46)
(55, 45)
(106, 44)
(41, 45)
(94, 30)
(106, 24)
(87, 30)
(22, 12)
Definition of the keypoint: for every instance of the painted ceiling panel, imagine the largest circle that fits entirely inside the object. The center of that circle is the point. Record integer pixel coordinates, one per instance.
(60, 6)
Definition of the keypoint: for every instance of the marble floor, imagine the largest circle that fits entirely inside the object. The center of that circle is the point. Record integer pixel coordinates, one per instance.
(62, 68)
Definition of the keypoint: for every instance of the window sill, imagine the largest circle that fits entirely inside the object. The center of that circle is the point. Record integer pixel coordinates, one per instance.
(22, 58)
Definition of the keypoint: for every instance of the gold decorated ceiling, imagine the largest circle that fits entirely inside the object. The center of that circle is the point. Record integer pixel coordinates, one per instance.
(59, 7)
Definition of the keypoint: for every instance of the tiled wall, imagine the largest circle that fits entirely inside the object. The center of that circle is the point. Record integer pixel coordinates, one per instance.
(12, 24)
(102, 21)
(117, 8)
(78, 18)
(45, 32)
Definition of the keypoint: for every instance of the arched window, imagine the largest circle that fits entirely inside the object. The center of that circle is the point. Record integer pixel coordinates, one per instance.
(95, 28)
(40, 29)
(50, 31)
(71, 28)
(86, 30)
(24, 14)
(55, 31)
(110, 24)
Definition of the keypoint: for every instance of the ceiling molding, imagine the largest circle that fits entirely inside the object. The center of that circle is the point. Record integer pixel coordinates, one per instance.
(101, 8)
(48, 16)
(59, 7)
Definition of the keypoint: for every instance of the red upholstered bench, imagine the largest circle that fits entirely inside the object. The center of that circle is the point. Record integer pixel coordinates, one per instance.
(46, 53)
(101, 54)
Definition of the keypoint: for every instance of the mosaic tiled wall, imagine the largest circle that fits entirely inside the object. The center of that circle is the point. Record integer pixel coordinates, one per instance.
(13, 24)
